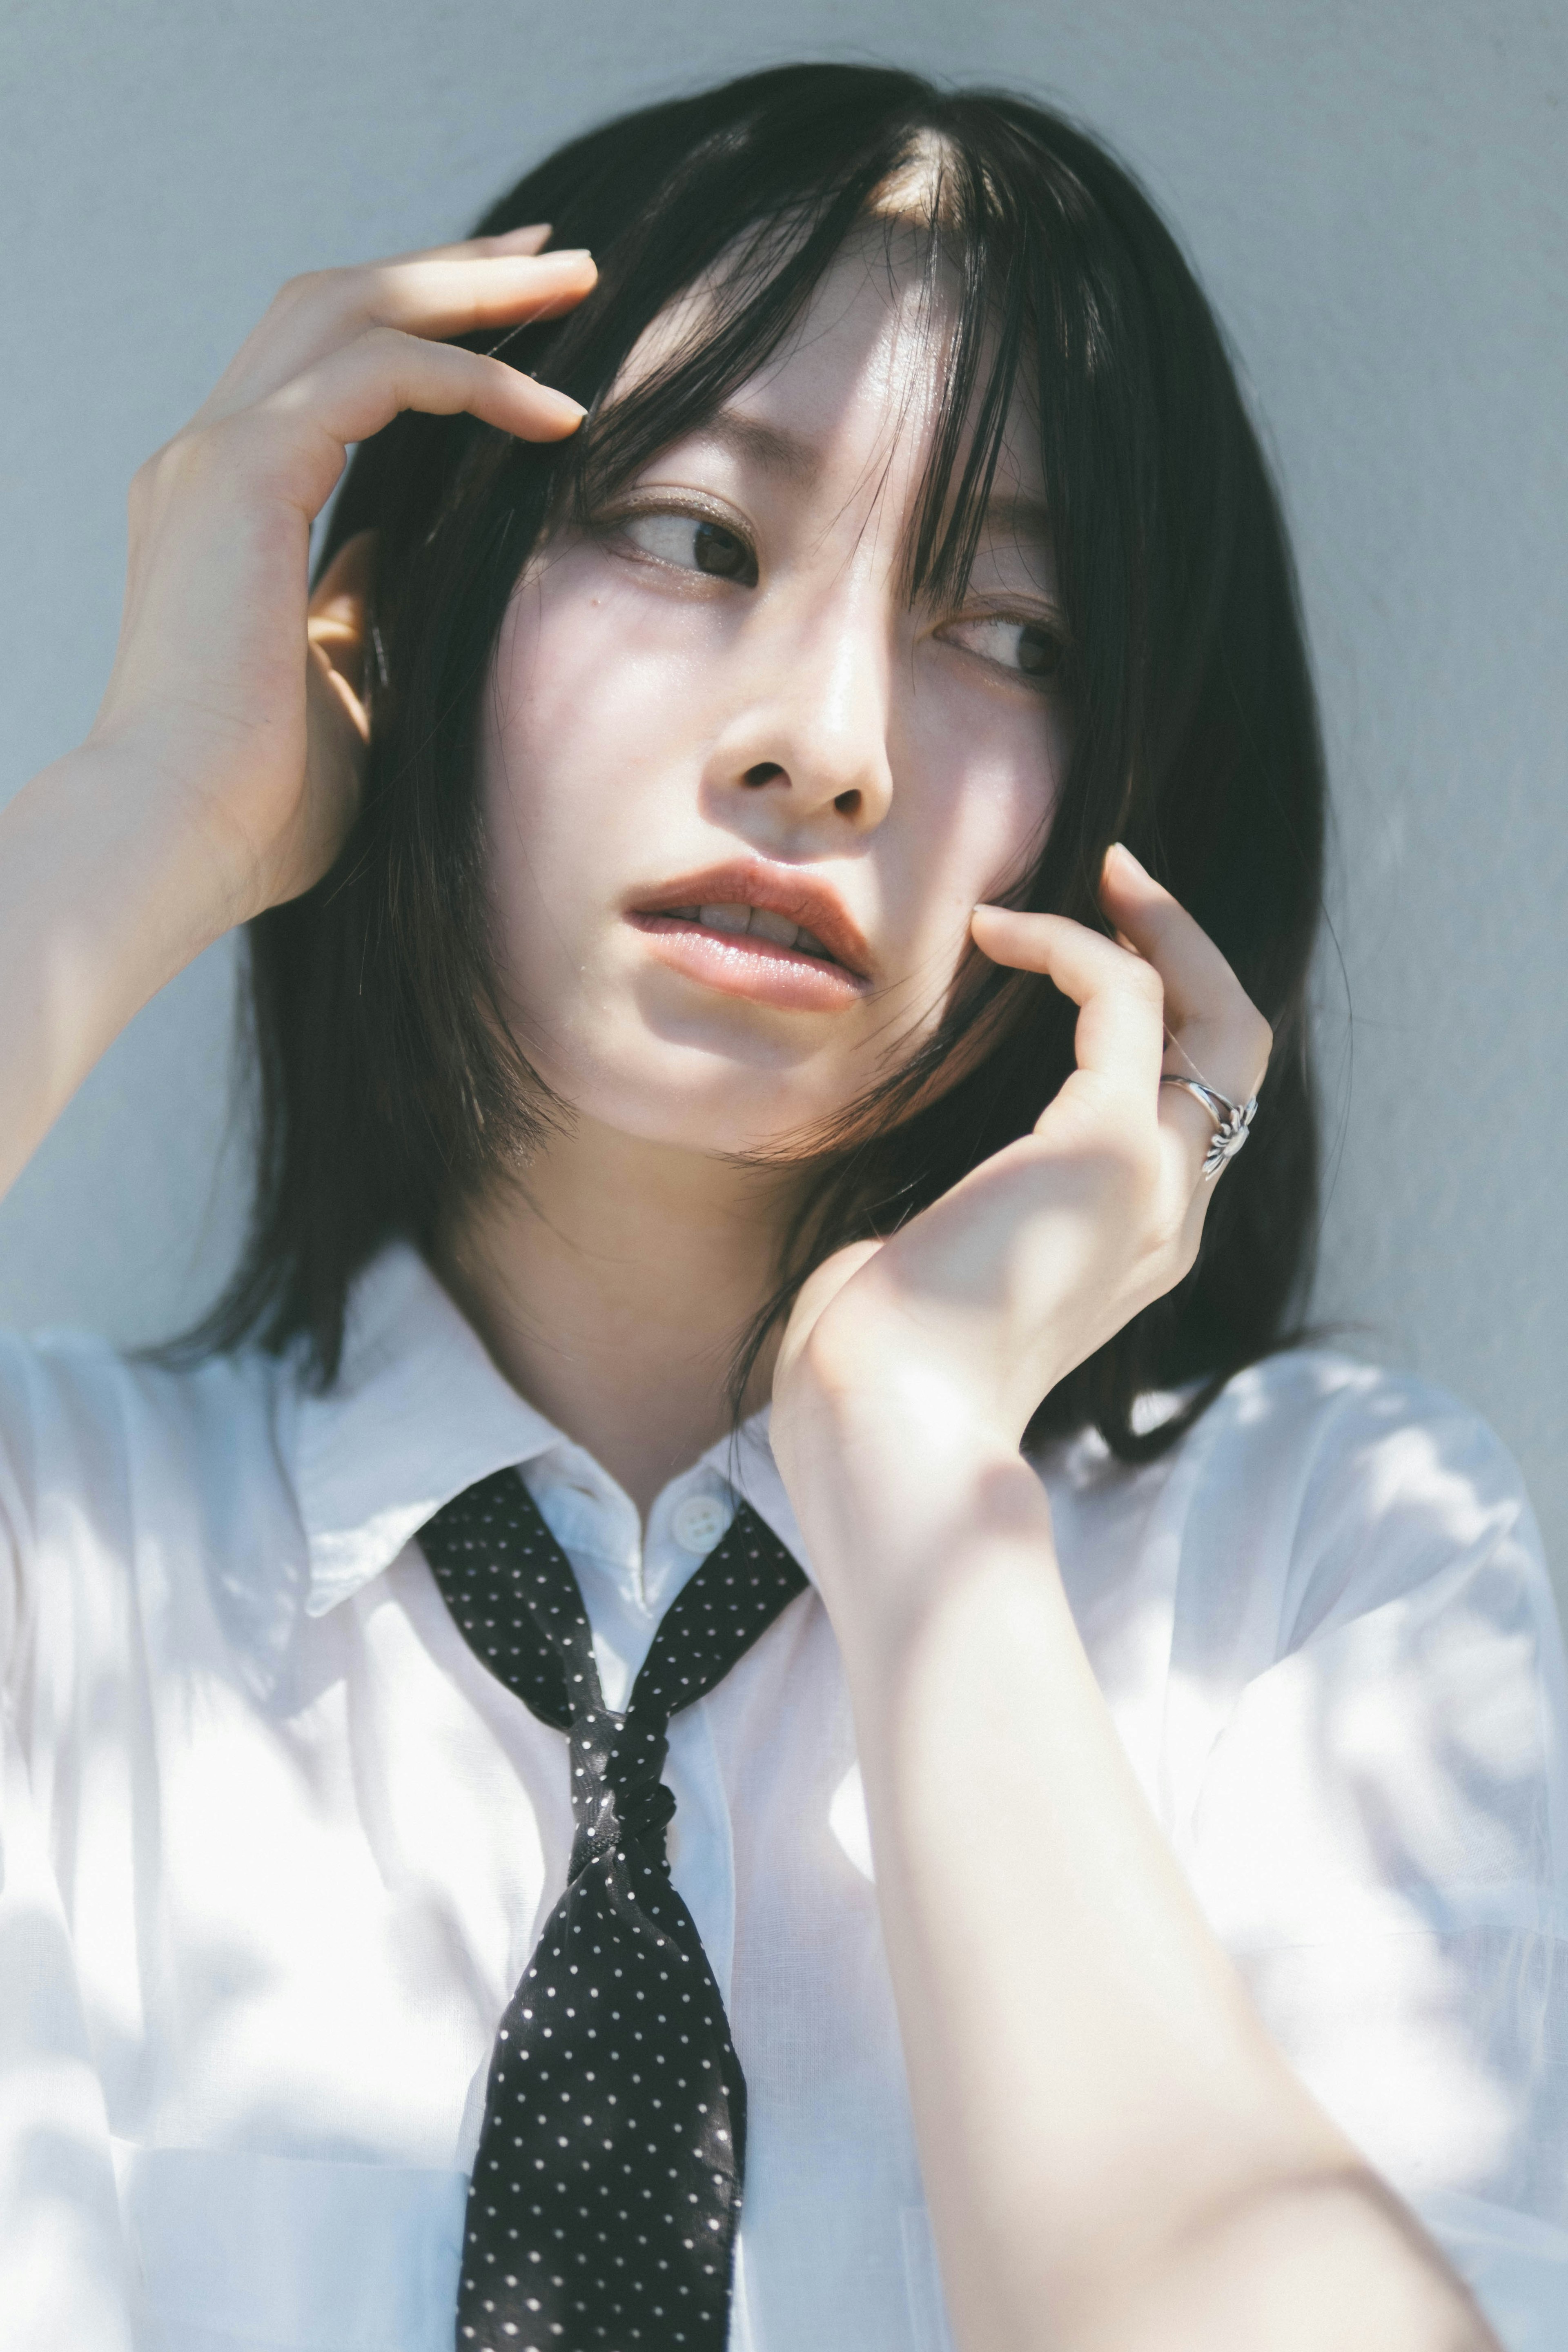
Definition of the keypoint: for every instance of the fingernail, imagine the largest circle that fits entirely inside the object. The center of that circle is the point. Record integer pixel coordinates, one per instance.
(1121, 848)
(568, 253)
(563, 402)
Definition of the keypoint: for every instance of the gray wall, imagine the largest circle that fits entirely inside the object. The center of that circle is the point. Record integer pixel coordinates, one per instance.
(1374, 192)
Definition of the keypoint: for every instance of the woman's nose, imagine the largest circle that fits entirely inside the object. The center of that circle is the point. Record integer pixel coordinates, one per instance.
(811, 733)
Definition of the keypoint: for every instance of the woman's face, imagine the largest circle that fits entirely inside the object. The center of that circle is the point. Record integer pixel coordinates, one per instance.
(715, 724)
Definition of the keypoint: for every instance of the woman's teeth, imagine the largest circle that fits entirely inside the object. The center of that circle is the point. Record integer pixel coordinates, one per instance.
(762, 920)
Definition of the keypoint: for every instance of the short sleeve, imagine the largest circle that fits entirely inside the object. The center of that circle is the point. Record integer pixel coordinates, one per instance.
(62, 2265)
(15, 1512)
(1380, 1837)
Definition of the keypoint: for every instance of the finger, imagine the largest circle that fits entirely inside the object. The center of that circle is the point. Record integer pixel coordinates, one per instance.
(533, 238)
(1119, 1035)
(1199, 983)
(439, 295)
(1215, 1033)
(356, 391)
(462, 294)
(368, 383)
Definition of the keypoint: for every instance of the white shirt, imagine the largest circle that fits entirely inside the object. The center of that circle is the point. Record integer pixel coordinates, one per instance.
(276, 1848)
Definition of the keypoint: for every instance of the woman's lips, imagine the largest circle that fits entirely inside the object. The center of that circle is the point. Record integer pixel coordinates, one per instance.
(747, 963)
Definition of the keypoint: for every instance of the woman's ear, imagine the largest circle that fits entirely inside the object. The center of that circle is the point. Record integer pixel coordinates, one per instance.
(338, 626)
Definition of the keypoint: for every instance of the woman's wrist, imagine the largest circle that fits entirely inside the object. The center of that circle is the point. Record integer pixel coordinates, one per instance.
(104, 896)
(123, 851)
(901, 1488)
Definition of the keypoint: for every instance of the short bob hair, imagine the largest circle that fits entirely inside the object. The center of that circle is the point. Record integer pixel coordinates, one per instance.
(389, 1088)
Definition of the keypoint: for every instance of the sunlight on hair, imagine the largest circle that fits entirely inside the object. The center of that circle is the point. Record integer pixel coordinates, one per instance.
(923, 188)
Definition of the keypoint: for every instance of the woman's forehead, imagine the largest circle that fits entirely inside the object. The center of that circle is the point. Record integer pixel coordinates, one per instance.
(859, 377)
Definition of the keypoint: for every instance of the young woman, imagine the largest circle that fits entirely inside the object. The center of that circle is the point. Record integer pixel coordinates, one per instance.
(742, 1696)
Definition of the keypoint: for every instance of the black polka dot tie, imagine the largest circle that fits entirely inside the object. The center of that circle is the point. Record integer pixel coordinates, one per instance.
(607, 2189)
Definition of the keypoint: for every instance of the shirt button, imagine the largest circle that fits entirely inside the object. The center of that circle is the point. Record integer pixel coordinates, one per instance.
(699, 1522)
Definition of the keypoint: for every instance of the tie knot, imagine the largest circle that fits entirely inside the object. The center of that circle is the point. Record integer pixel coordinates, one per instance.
(618, 1796)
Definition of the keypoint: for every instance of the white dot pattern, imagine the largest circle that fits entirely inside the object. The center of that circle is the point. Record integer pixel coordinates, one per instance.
(606, 2188)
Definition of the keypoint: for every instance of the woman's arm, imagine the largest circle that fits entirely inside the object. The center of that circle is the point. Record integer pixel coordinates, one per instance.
(1118, 2158)
(222, 770)
(1115, 2155)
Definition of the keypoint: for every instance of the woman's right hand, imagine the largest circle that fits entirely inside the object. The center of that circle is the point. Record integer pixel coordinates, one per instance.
(227, 712)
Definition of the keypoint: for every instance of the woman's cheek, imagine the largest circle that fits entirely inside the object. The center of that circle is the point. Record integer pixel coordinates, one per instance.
(580, 718)
(589, 666)
(997, 742)
(985, 796)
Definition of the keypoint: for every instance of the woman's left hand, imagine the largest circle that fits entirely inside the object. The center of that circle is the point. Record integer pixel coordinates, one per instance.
(976, 1308)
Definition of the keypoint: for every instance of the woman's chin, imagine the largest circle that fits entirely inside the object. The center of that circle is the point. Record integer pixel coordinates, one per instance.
(695, 1097)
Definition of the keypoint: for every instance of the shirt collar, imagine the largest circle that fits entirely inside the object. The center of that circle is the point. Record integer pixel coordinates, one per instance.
(418, 1413)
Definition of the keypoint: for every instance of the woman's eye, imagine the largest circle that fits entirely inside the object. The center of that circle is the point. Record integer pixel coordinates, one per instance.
(1031, 647)
(691, 544)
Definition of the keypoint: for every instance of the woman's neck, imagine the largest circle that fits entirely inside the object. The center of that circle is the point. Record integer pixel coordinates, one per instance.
(612, 1283)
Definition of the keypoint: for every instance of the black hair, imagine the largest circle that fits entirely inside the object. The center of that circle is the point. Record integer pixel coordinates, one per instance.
(389, 1085)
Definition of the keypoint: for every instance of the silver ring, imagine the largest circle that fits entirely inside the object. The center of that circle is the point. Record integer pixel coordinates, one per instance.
(1232, 1121)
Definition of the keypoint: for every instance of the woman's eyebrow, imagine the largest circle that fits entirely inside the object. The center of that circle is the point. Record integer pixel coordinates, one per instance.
(773, 447)
(1019, 517)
